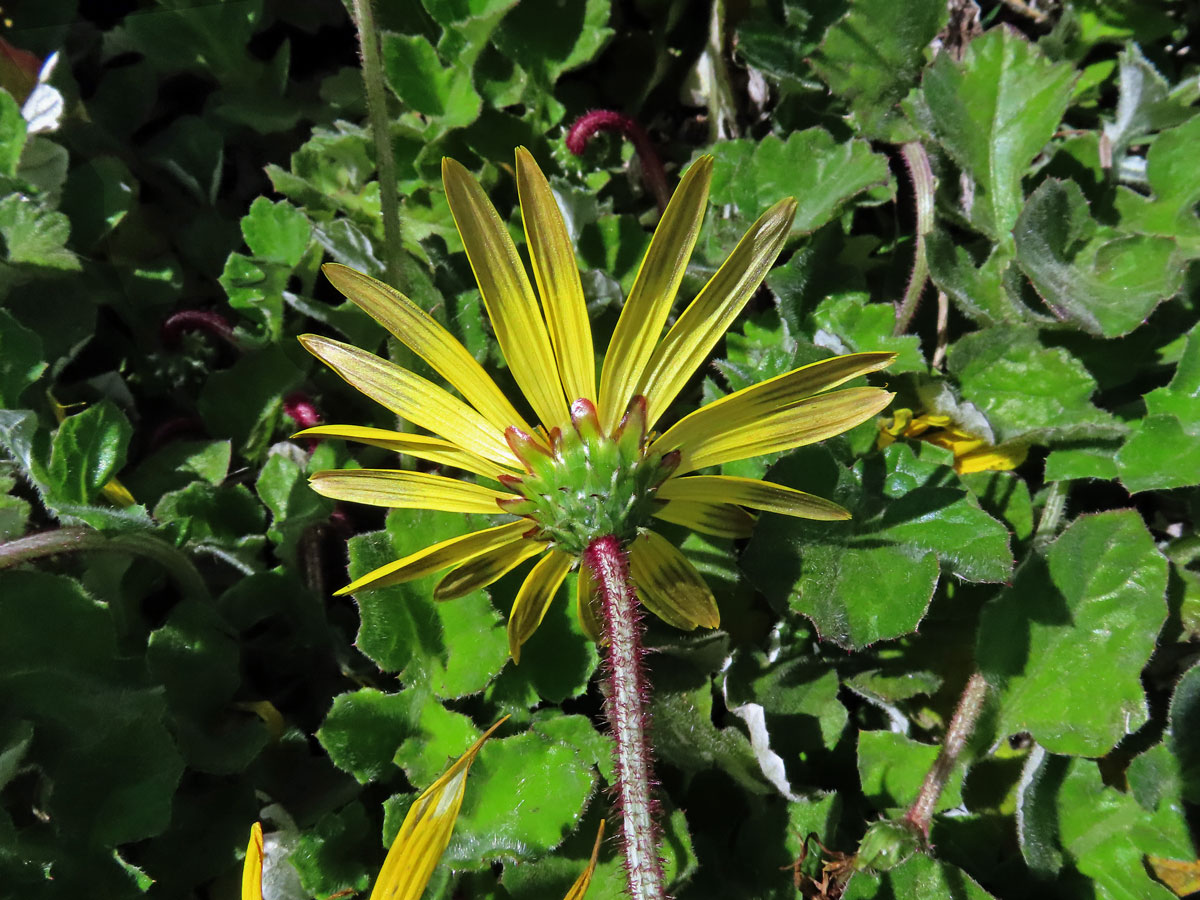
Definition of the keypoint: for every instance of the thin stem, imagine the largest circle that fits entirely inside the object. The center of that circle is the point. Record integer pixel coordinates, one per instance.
(1052, 512)
(626, 708)
(389, 198)
(962, 726)
(75, 540)
(722, 108)
(591, 123)
(919, 170)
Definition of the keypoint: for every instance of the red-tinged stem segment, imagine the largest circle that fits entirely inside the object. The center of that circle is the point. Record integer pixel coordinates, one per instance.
(176, 324)
(962, 726)
(626, 708)
(590, 123)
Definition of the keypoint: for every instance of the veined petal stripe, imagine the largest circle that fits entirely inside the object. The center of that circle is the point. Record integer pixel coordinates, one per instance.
(716, 519)
(252, 868)
(653, 293)
(533, 599)
(805, 422)
(438, 556)
(507, 294)
(396, 489)
(707, 318)
(482, 570)
(752, 492)
(412, 397)
(579, 888)
(426, 831)
(419, 446)
(422, 334)
(557, 277)
(749, 404)
(669, 585)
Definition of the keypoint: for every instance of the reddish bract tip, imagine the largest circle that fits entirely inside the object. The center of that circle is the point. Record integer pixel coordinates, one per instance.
(585, 419)
(525, 447)
(509, 481)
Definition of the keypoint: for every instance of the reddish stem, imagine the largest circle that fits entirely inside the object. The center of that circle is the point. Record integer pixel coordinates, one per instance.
(590, 123)
(628, 697)
(213, 323)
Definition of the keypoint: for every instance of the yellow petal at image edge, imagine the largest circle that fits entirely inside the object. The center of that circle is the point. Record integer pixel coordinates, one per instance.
(669, 585)
(418, 446)
(421, 333)
(534, 597)
(397, 489)
(579, 888)
(253, 867)
(438, 556)
(653, 293)
(753, 493)
(716, 519)
(426, 831)
(587, 605)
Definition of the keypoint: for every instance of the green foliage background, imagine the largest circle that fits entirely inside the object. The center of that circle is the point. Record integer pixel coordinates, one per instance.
(173, 670)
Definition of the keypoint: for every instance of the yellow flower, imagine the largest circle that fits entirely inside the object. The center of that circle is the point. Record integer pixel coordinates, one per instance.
(419, 844)
(593, 466)
(972, 453)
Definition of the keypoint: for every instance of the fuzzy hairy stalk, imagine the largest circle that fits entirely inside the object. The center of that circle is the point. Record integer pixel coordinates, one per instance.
(919, 171)
(628, 698)
(958, 732)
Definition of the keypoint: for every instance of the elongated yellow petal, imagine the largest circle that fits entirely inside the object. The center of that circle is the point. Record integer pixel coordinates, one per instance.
(419, 446)
(706, 319)
(579, 888)
(669, 585)
(759, 400)
(507, 294)
(426, 831)
(533, 599)
(753, 493)
(557, 276)
(806, 422)
(407, 490)
(587, 605)
(412, 397)
(480, 571)
(717, 519)
(438, 556)
(421, 333)
(653, 293)
(253, 867)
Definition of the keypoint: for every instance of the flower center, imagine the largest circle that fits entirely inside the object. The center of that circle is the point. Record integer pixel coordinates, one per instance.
(588, 484)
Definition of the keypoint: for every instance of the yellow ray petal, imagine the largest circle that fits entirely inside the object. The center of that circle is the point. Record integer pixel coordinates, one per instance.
(706, 319)
(557, 276)
(412, 397)
(717, 519)
(587, 605)
(426, 831)
(407, 490)
(438, 556)
(579, 888)
(745, 406)
(507, 294)
(669, 585)
(480, 571)
(419, 446)
(653, 293)
(533, 599)
(753, 493)
(805, 422)
(253, 867)
(421, 333)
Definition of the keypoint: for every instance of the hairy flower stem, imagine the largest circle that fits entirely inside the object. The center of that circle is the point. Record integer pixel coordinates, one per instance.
(627, 698)
(919, 171)
(962, 726)
(592, 123)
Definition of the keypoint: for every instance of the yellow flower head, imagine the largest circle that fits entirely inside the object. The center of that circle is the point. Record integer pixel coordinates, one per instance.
(592, 466)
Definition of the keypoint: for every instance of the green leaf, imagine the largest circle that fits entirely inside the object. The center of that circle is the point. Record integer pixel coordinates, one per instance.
(1106, 286)
(994, 112)
(873, 56)
(88, 450)
(98, 196)
(872, 578)
(12, 134)
(1144, 104)
(243, 402)
(283, 486)
(276, 232)
(1037, 813)
(792, 691)
(34, 234)
(810, 165)
(456, 647)
(1026, 390)
(919, 878)
(892, 767)
(1183, 740)
(364, 729)
(850, 323)
(1094, 461)
(1175, 183)
(331, 856)
(1107, 834)
(1163, 450)
(983, 292)
(21, 359)
(420, 80)
(780, 48)
(1065, 644)
(177, 464)
(525, 794)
